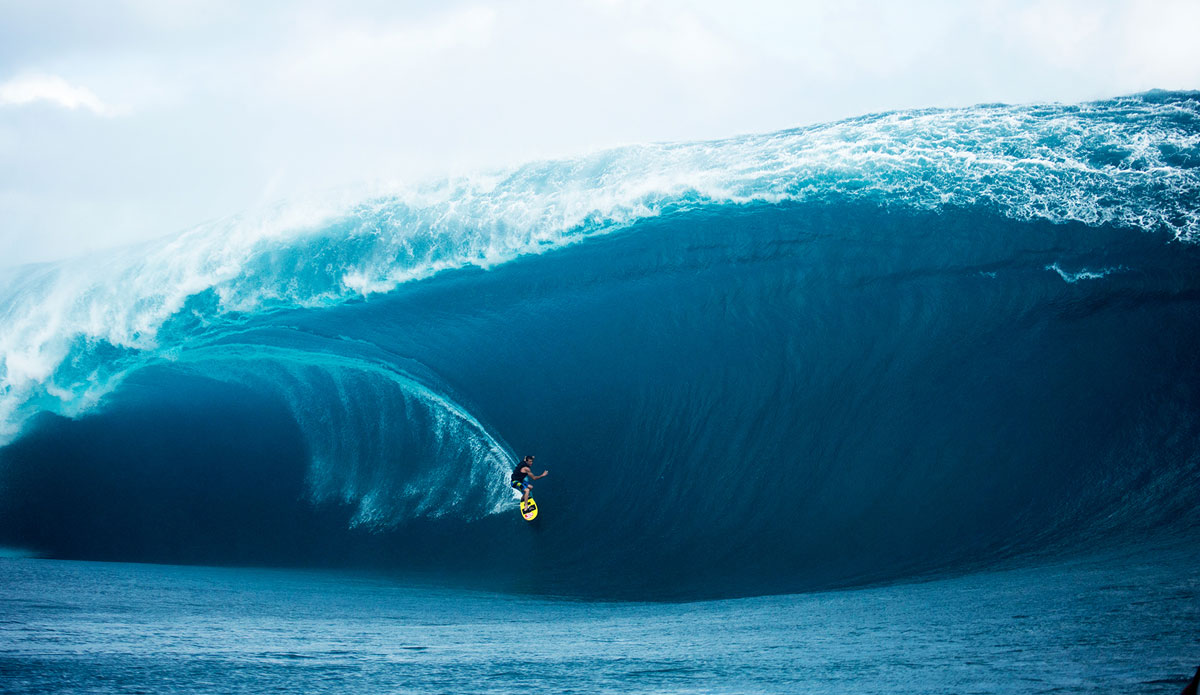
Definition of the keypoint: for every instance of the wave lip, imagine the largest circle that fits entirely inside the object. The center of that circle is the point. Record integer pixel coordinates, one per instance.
(381, 441)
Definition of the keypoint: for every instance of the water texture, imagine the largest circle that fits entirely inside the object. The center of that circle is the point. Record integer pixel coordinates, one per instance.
(1105, 624)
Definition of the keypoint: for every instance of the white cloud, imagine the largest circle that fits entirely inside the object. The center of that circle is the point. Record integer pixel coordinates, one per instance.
(1066, 33)
(329, 50)
(1158, 45)
(684, 41)
(30, 89)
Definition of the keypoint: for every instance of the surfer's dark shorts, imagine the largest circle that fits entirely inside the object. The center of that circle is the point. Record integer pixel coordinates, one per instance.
(519, 486)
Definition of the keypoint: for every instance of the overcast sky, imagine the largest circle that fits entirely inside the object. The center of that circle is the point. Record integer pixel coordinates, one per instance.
(121, 121)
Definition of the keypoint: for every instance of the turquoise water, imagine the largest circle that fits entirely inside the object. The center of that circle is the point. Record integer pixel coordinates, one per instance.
(1117, 623)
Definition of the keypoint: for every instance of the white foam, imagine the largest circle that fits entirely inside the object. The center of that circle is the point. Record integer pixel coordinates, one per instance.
(1083, 274)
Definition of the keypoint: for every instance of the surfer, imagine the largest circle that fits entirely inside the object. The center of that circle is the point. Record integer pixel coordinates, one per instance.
(523, 477)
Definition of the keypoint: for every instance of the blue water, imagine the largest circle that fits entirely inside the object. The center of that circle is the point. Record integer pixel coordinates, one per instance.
(1108, 624)
(897, 348)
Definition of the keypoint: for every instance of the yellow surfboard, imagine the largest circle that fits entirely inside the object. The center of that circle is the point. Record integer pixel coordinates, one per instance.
(529, 509)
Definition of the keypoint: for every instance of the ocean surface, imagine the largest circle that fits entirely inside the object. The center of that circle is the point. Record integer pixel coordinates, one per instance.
(1104, 624)
(908, 359)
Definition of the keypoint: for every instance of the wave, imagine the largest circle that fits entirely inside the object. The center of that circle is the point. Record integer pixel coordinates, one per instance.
(1129, 161)
(772, 362)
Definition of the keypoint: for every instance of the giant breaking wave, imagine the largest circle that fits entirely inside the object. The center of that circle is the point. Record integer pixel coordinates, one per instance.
(899, 344)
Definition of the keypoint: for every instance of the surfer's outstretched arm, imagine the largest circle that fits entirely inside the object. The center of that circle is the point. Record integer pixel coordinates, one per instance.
(538, 477)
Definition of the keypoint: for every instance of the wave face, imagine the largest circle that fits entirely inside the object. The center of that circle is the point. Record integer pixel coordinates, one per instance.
(900, 344)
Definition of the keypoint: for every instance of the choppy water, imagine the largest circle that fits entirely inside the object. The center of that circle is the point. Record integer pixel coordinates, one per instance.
(1117, 623)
